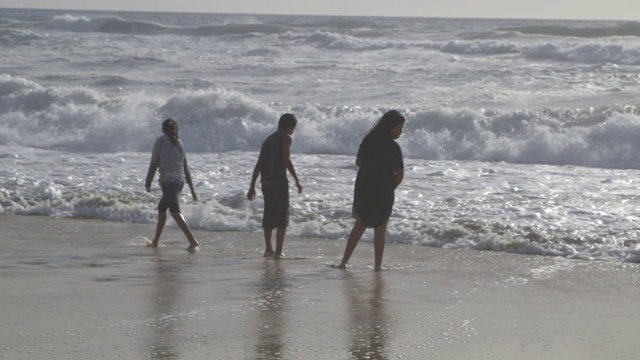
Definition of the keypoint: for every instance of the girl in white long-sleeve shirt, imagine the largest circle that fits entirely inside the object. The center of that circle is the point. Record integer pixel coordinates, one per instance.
(169, 155)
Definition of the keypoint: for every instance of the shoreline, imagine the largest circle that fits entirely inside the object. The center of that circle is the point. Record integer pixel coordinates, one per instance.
(75, 288)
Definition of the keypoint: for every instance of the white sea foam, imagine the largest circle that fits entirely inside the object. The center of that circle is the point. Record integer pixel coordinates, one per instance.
(83, 119)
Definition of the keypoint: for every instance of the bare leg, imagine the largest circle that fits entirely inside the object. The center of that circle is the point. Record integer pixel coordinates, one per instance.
(162, 219)
(193, 243)
(379, 238)
(268, 252)
(354, 237)
(282, 230)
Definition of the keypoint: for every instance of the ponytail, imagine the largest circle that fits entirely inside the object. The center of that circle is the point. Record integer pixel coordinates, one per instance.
(170, 128)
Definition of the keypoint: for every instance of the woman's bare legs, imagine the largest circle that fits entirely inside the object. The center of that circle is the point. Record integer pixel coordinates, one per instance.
(162, 219)
(280, 233)
(354, 237)
(268, 249)
(379, 239)
(193, 243)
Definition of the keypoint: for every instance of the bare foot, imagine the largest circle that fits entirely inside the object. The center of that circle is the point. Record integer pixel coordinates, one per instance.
(278, 256)
(268, 253)
(193, 247)
(153, 244)
(341, 266)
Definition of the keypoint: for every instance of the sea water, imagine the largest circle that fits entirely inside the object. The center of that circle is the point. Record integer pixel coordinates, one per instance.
(521, 135)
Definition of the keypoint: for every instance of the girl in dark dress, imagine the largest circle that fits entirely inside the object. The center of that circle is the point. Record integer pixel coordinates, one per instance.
(381, 170)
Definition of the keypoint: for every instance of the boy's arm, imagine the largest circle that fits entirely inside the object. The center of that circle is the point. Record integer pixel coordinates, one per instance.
(286, 155)
(251, 194)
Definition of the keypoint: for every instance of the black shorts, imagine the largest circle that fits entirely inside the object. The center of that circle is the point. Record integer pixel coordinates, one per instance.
(276, 205)
(170, 196)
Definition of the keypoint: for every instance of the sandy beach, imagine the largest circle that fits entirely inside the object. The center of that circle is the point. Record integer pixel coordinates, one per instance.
(87, 289)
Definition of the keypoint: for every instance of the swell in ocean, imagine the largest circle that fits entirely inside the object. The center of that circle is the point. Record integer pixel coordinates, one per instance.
(368, 34)
(219, 120)
(624, 29)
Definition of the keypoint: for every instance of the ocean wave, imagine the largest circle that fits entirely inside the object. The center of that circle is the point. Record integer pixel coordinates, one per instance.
(18, 37)
(219, 120)
(287, 32)
(339, 36)
(337, 41)
(586, 53)
(232, 29)
(116, 25)
(592, 53)
(478, 47)
(345, 23)
(626, 29)
(600, 137)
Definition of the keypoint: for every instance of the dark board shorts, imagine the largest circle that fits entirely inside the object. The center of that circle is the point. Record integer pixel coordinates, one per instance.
(276, 205)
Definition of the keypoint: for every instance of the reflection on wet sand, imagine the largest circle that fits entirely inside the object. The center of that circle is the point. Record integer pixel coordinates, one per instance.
(271, 311)
(369, 326)
(165, 310)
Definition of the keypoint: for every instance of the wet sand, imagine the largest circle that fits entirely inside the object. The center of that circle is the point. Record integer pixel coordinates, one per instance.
(86, 289)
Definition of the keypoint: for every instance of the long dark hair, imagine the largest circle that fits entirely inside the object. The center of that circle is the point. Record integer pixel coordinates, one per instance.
(380, 129)
(170, 128)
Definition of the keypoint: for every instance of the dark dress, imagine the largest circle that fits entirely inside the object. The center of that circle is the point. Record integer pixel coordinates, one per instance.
(375, 184)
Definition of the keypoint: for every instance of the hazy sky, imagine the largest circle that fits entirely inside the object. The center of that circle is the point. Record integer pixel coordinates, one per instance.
(549, 9)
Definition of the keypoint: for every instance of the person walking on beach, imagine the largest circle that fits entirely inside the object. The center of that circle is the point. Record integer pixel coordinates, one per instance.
(169, 155)
(273, 162)
(381, 170)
